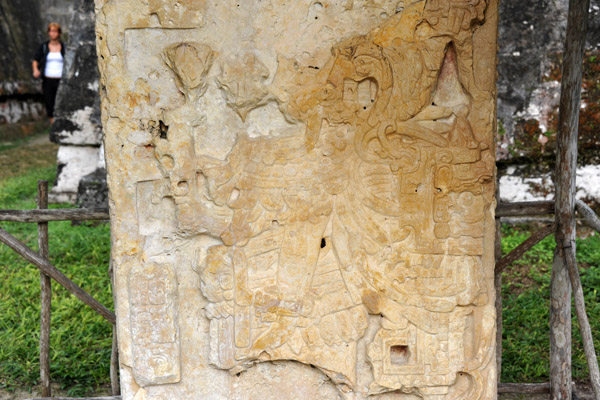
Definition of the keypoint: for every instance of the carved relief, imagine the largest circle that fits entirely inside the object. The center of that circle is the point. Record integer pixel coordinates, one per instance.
(153, 295)
(190, 62)
(244, 84)
(380, 208)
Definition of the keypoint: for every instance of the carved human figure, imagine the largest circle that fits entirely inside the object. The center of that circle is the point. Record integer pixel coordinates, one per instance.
(173, 140)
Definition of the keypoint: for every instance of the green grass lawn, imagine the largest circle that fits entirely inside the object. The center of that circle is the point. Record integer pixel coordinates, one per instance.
(526, 305)
(81, 339)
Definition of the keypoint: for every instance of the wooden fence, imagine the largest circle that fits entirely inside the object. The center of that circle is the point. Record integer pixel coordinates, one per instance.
(538, 209)
(42, 216)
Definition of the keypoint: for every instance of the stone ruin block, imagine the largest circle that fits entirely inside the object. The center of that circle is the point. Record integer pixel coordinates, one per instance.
(73, 164)
(302, 197)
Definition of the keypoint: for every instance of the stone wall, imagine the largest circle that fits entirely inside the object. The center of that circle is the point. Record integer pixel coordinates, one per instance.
(60, 11)
(531, 35)
(19, 95)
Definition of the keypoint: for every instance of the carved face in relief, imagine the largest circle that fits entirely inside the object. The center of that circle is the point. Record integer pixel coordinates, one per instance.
(190, 62)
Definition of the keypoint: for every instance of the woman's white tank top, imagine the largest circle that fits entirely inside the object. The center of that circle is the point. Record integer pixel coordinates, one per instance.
(54, 65)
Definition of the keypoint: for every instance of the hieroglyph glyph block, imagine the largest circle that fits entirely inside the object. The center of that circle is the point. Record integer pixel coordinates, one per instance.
(302, 197)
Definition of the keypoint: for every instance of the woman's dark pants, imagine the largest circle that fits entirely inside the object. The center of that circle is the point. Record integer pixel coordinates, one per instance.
(49, 88)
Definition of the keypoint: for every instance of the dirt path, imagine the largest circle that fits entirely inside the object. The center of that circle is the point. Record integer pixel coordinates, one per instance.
(39, 140)
(35, 152)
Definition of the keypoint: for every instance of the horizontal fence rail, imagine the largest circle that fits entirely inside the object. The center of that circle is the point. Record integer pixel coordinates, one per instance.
(524, 209)
(503, 209)
(59, 214)
(536, 388)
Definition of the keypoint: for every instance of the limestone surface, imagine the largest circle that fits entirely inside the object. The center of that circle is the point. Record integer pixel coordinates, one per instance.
(302, 197)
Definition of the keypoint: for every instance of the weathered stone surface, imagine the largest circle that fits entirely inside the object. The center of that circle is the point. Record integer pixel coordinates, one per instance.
(20, 99)
(304, 183)
(531, 35)
(60, 11)
(21, 26)
(73, 164)
(92, 191)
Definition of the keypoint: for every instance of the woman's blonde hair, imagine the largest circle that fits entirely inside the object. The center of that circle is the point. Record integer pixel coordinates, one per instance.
(55, 25)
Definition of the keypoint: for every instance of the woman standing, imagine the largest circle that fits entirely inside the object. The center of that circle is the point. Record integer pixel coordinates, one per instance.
(48, 64)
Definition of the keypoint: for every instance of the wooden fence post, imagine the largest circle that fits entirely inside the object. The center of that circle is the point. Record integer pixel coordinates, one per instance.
(584, 325)
(560, 329)
(114, 354)
(46, 295)
(498, 302)
(566, 166)
(114, 364)
(498, 287)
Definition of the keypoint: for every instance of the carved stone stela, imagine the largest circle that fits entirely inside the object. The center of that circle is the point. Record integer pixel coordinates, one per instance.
(302, 197)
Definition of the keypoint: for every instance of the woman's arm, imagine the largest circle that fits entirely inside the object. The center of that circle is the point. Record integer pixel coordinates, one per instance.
(36, 71)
